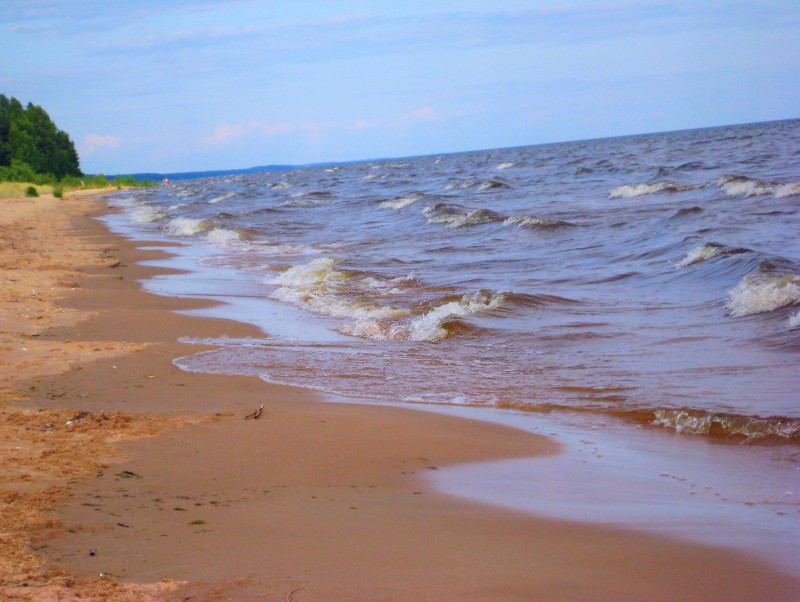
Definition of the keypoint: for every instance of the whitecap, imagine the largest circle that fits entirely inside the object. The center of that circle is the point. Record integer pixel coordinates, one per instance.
(505, 165)
(428, 327)
(695, 422)
(784, 190)
(699, 254)
(453, 216)
(760, 293)
(222, 197)
(743, 186)
(401, 202)
(529, 221)
(145, 215)
(319, 287)
(635, 190)
(185, 226)
(222, 235)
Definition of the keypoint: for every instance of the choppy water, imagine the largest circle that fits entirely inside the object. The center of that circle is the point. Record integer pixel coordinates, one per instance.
(653, 278)
(638, 298)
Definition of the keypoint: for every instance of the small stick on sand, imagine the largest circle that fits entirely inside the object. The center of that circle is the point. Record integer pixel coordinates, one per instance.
(289, 597)
(255, 415)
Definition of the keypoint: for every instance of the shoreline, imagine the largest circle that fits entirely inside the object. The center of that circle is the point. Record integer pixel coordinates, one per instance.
(317, 498)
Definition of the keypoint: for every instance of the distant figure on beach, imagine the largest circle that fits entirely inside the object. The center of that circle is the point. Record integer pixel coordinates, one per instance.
(166, 181)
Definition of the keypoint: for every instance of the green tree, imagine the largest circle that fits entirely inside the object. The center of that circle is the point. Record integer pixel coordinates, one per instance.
(29, 136)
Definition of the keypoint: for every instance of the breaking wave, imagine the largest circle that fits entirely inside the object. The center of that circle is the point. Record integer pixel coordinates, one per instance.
(144, 215)
(222, 197)
(528, 221)
(742, 186)
(634, 190)
(484, 185)
(456, 216)
(431, 326)
(185, 226)
(222, 235)
(696, 422)
(320, 287)
(403, 201)
(763, 292)
(708, 251)
(735, 427)
(732, 185)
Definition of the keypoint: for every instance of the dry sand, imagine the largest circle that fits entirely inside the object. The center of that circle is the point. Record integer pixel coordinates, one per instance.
(314, 501)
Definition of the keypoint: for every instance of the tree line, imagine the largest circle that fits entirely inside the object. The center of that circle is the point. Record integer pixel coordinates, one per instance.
(32, 148)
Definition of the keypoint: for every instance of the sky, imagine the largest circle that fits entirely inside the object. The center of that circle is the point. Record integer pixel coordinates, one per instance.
(146, 85)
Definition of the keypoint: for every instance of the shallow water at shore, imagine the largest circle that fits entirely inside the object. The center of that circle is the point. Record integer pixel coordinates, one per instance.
(646, 289)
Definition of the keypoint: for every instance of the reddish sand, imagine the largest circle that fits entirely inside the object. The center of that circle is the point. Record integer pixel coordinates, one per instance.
(313, 501)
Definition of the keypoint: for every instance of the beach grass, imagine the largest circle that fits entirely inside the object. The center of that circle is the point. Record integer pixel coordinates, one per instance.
(12, 189)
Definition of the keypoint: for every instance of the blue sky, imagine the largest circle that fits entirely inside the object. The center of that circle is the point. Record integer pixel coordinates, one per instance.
(186, 85)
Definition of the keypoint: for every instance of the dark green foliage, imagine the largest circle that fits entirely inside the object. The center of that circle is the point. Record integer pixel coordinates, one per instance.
(32, 145)
(31, 191)
(58, 193)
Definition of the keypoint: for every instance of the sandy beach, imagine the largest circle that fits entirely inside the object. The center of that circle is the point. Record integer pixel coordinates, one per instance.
(122, 477)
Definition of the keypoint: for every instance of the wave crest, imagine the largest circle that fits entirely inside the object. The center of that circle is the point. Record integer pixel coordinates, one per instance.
(696, 422)
(223, 235)
(432, 326)
(742, 186)
(763, 292)
(185, 226)
(404, 201)
(708, 251)
(323, 289)
(529, 221)
(635, 190)
(455, 216)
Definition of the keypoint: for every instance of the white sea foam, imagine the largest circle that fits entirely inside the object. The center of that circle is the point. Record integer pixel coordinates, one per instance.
(749, 427)
(222, 235)
(286, 249)
(759, 293)
(453, 217)
(321, 288)
(634, 190)
(222, 197)
(300, 200)
(429, 327)
(529, 221)
(742, 186)
(185, 226)
(784, 190)
(128, 201)
(505, 165)
(699, 254)
(794, 320)
(403, 201)
(460, 185)
(146, 214)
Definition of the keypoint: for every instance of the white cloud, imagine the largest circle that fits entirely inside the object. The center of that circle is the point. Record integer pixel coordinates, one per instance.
(94, 142)
(223, 134)
(425, 114)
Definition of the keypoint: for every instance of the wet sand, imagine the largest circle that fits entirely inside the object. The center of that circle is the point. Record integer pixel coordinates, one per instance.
(313, 501)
